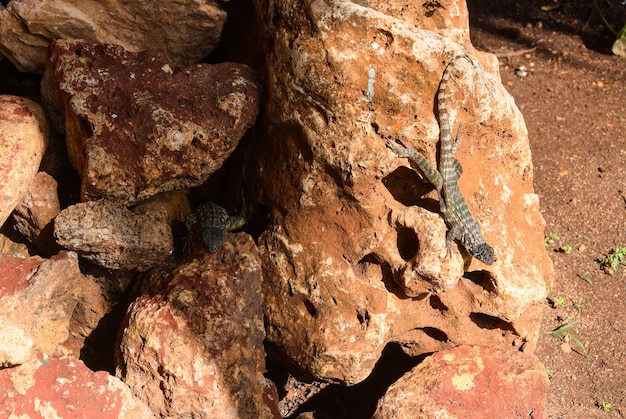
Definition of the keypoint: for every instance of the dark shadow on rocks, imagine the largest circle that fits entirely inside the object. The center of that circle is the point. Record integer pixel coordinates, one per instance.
(577, 18)
(408, 188)
(98, 352)
(359, 401)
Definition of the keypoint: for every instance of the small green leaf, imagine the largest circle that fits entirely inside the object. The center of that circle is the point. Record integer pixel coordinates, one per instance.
(585, 277)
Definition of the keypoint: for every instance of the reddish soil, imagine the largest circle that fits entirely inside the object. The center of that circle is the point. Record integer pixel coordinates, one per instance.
(572, 92)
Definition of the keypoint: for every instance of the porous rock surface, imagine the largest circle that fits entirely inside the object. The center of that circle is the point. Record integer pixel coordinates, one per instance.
(112, 236)
(185, 30)
(63, 387)
(469, 382)
(138, 124)
(355, 255)
(192, 343)
(23, 137)
(37, 300)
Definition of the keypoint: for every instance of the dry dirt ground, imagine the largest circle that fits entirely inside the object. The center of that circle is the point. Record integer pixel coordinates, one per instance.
(572, 93)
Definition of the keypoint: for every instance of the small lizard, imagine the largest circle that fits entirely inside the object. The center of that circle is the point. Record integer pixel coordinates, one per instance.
(461, 225)
(213, 222)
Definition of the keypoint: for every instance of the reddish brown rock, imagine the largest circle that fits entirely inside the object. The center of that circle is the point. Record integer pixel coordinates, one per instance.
(65, 388)
(469, 382)
(186, 30)
(23, 136)
(355, 256)
(193, 342)
(37, 299)
(112, 236)
(138, 124)
(34, 214)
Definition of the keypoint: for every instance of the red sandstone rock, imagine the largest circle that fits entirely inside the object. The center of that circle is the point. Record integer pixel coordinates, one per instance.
(37, 299)
(186, 30)
(23, 132)
(34, 214)
(65, 388)
(193, 342)
(469, 382)
(355, 255)
(138, 124)
(112, 236)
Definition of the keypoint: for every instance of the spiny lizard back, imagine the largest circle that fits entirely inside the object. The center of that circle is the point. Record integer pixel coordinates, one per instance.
(455, 212)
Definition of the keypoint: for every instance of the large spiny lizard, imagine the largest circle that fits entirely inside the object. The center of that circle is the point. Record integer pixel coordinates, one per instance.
(211, 222)
(457, 216)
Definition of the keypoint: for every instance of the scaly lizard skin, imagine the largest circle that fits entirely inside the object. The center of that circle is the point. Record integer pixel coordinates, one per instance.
(213, 222)
(461, 225)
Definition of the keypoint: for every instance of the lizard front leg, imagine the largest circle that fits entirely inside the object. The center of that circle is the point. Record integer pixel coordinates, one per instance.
(433, 176)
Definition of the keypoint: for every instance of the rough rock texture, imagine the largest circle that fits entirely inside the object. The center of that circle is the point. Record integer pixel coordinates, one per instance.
(174, 203)
(469, 382)
(23, 133)
(193, 343)
(355, 255)
(8, 247)
(64, 387)
(37, 299)
(34, 213)
(137, 124)
(186, 30)
(112, 236)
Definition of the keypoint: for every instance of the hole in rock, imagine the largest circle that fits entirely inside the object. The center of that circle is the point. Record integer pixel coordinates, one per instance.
(391, 286)
(408, 243)
(359, 401)
(368, 261)
(363, 316)
(408, 188)
(482, 279)
(435, 333)
(310, 308)
(485, 321)
(437, 304)
(85, 127)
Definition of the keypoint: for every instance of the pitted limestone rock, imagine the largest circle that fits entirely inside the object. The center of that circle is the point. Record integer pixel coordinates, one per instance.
(356, 256)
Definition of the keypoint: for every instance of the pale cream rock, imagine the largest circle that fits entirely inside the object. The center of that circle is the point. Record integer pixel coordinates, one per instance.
(23, 137)
(186, 30)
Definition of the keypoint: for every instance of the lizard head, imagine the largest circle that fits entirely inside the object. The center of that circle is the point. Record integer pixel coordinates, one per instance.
(484, 253)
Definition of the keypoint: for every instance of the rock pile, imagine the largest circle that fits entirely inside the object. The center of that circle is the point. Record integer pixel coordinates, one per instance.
(345, 249)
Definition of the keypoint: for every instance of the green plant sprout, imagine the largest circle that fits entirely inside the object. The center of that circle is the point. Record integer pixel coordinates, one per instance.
(606, 406)
(555, 301)
(585, 277)
(619, 46)
(551, 238)
(566, 248)
(549, 372)
(610, 262)
(578, 306)
(560, 333)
